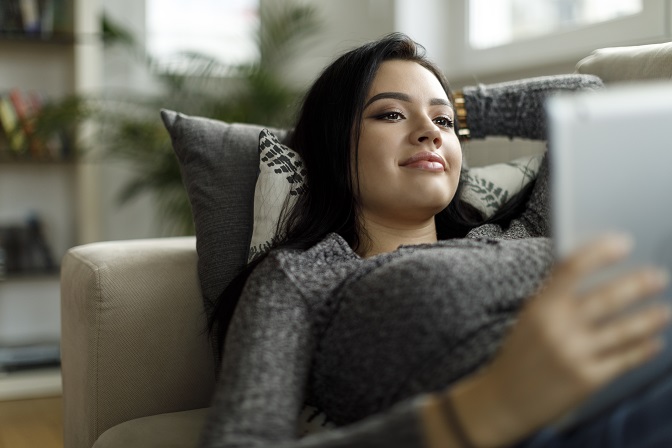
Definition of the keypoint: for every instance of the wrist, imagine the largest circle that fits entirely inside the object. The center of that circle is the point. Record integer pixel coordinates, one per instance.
(487, 420)
(438, 432)
(461, 114)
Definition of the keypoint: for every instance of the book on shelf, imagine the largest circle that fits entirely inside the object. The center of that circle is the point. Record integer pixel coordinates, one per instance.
(30, 15)
(9, 120)
(10, 17)
(37, 18)
(25, 248)
(47, 8)
(25, 140)
(29, 355)
(62, 16)
(25, 116)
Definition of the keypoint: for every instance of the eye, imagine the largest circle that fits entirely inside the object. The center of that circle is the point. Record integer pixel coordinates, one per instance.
(445, 122)
(391, 116)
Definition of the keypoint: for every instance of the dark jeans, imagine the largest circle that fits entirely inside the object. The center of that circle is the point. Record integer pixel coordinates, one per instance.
(642, 421)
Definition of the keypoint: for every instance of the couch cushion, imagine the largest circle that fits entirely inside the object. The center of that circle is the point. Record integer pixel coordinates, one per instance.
(182, 429)
(173, 430)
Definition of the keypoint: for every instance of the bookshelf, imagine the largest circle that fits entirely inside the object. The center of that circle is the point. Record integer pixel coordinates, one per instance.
(61, 57)
(30, 384)
(59, 39)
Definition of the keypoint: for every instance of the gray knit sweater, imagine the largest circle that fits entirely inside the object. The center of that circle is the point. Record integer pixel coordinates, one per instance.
(366, 339)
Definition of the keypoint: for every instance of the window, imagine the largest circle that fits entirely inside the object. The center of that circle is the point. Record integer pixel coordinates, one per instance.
(221, 29)
(505, 21)
(489, 37)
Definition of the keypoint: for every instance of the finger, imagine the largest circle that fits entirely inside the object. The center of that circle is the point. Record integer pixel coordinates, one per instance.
(603, 301)
(620, 334)
(624, 360)
(591, 257)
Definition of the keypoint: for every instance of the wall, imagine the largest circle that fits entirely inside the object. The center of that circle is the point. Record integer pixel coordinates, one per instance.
(425, 21)
(125, 74)
(347, 23)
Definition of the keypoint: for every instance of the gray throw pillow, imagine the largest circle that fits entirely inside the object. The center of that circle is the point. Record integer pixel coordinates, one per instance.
(219, 164)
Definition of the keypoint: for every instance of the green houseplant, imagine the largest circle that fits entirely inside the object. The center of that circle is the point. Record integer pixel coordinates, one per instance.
(129, 127)
(250, 93)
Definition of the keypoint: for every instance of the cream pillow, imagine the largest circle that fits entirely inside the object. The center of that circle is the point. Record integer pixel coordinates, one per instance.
(282, 174)
(280, 181)
(487, 188)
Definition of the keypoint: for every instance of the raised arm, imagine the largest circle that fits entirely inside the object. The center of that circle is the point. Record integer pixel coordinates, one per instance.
(516, 108)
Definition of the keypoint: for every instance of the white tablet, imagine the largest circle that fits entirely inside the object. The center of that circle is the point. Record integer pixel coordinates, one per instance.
(611, 167)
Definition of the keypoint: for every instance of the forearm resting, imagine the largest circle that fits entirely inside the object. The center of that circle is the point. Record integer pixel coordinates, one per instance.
(484, 419)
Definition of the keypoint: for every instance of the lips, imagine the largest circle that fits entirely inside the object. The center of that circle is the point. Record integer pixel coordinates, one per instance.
(425, 160)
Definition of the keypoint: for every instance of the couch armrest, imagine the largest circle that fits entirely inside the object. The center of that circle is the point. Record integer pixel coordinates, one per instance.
(134, 339)
(634, 63)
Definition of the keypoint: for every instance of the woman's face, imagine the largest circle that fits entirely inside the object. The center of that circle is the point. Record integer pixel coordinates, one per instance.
(409, 155)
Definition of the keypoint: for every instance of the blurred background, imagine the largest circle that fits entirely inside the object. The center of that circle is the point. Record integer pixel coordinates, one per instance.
(84, 156)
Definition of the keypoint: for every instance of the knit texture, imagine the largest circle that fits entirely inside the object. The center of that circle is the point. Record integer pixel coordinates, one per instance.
(356, 337)
(365, 339)
(516, 108)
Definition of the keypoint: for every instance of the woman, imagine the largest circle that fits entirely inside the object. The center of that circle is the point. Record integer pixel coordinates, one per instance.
(384, 303)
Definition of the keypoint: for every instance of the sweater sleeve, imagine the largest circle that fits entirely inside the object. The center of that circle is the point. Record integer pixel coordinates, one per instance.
(516, 108)
(264, 374)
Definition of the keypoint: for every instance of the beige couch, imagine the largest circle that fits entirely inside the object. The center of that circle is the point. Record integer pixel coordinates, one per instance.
(133, 344)
(137, 368)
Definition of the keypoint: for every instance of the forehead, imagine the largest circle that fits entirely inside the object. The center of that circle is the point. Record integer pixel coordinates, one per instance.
(407, 77)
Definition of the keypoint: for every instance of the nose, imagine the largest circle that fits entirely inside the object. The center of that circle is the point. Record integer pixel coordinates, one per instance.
(427, 132)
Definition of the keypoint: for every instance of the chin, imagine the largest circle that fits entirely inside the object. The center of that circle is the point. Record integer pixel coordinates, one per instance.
(437, 202)
(434, 208)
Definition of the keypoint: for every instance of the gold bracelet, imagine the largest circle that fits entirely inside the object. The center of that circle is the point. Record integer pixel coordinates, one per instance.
(463, 132)
(454, 422)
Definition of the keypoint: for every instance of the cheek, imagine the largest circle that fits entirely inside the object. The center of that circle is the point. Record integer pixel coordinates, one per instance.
(370, 163)
(454, 155)
(368, 174)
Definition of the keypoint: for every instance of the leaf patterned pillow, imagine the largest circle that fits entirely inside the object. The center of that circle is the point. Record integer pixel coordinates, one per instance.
(487, 188)
(280, 181)
(282, 174)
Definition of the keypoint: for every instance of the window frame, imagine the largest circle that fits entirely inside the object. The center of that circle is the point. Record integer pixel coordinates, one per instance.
(175, 63)
(651, 25)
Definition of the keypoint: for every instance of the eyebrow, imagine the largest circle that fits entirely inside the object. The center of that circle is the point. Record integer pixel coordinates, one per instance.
(404, 97)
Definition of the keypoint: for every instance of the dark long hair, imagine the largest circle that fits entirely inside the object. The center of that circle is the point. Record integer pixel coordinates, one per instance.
(328, 122)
